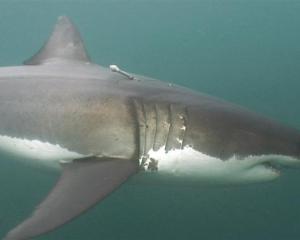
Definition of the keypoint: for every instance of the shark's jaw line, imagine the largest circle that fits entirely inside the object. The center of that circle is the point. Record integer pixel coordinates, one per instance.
(36, 151)
(189, 163)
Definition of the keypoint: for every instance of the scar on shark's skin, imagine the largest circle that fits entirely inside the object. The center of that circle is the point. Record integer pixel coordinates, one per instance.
(153, 165)
(99, 126)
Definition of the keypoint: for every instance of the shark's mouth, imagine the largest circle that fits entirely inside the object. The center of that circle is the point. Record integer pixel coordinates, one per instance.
(278, 162)
(273, 166)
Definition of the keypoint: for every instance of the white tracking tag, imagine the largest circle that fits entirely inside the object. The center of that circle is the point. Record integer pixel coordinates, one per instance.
(115, 68)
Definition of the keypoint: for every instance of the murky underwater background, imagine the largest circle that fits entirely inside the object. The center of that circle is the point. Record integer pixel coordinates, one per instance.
(244, 51)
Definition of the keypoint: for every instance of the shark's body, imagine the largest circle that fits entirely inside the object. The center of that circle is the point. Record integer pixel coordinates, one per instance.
(103, 126)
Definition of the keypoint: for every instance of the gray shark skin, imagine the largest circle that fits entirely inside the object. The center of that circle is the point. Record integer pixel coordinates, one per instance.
(99, 126)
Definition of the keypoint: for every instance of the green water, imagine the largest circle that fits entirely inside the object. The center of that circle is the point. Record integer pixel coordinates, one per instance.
(247, 52)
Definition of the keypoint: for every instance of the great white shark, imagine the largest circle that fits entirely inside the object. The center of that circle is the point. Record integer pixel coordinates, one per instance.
(100, 126)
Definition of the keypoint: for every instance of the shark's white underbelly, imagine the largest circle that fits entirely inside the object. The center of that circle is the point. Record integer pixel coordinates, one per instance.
(36, 151)
(189, 164)
(186, 163)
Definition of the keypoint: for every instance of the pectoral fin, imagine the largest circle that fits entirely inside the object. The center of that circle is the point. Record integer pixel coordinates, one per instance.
(82, 184)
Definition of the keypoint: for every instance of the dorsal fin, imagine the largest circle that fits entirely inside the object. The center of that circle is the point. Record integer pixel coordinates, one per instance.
(65, 43)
